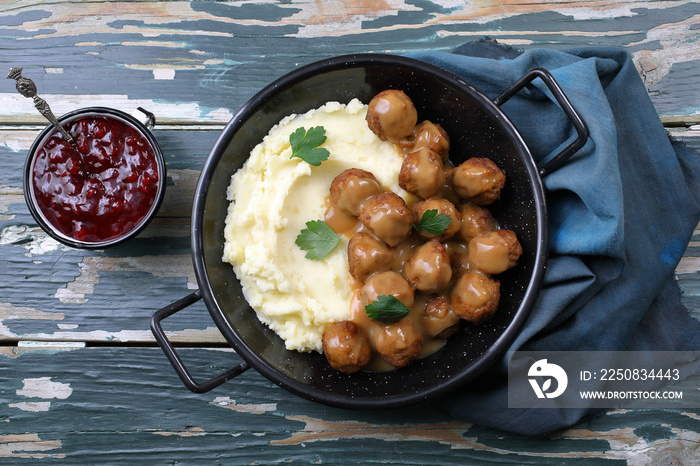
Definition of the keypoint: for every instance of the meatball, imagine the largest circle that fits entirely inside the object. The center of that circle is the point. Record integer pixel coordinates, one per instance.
(422, 174)
(459, 258)
(495, 252)
(345, 346)
(475, 297)
(438, 319)
(476, 220)
(398, 343)
(443, 206)
(428, 269)
(367, 255)
(387, 283)
(351, 188)
(479, 181)
(391, 115)
(428, 135)
(388, 217)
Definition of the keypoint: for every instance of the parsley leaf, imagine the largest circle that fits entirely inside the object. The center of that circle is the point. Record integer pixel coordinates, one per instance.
(433, 222)
(387, 308)
(318, 239)
(306, 145)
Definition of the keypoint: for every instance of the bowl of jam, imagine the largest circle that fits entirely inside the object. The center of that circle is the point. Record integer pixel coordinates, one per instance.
(104, 189)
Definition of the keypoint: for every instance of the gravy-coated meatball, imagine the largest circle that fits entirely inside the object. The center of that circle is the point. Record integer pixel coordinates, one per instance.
(479, 181)
(387, 283)
(438, 319)
(398, 343)
(443, 206)
(352, 188)
(475, 297)
(422, 174)
(459, 258)
(428, 135)
(428, 269)
(367, 255)
(391, 115)
(345, 346)
(476, 220)
(388, 217)
(495, 252)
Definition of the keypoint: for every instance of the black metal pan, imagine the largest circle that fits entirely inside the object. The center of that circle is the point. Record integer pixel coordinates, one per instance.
(477, 127)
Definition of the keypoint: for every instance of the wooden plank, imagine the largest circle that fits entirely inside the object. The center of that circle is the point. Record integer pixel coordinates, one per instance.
(73, 295)
(111, 405)
(199, 62)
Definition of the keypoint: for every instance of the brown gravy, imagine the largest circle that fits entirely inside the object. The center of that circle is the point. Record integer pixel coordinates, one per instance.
(371, 327)
(346, 226)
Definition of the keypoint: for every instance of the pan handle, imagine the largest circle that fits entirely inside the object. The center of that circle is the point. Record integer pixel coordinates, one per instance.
(175, 360)
(565, 105)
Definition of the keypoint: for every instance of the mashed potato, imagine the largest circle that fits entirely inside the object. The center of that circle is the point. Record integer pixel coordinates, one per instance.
(272, 197)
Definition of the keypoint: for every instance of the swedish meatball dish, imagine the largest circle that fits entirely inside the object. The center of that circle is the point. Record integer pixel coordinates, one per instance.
(354, 235)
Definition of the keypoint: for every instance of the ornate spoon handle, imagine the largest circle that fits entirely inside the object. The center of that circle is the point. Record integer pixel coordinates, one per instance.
(27, 88)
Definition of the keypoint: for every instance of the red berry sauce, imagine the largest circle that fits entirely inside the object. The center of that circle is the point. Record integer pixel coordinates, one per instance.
(102, 190)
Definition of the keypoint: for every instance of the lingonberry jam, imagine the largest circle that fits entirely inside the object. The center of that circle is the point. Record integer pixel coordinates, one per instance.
(100, 190)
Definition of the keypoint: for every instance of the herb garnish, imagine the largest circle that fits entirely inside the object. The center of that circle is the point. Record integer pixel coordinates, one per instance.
(433, 222)
(318, 239)
(387, 308)
(306, 145)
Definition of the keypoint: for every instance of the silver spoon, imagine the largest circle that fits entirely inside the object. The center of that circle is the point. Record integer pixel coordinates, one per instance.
(27, 88)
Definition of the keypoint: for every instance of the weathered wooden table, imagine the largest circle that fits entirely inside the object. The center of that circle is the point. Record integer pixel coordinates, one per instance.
(81, 379)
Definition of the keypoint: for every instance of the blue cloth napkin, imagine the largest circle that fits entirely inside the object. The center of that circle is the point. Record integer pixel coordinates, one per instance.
(622, 211)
